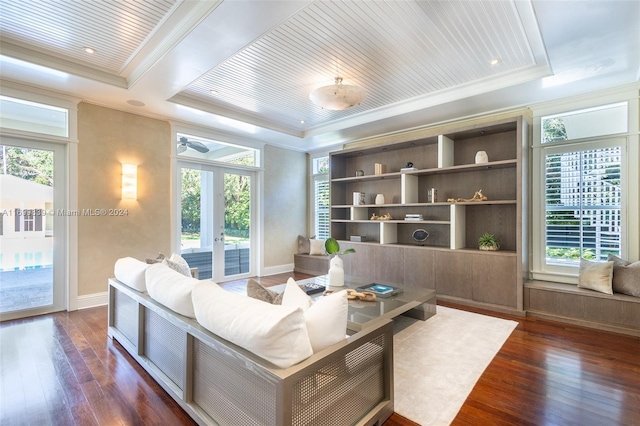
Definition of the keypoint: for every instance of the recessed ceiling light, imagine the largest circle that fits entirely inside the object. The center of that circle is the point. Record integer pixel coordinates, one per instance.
(89, 49)
(301, 121)
(495, 61)
(213, 92)
(135, 102)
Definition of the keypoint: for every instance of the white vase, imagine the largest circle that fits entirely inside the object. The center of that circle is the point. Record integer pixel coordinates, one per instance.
(379, 199)
(482, 157)
(336, 272)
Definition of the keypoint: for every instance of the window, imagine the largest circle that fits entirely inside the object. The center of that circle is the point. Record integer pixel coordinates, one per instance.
(28, 220)
(200, 148)
(583, 196)
(584, 123)
(580, 188)
(321, 201)
(19, 114)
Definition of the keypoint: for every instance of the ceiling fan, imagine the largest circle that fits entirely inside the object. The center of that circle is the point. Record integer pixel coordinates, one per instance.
(186, 143)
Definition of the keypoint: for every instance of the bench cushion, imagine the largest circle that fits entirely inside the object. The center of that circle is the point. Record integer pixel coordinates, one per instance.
(276, 333)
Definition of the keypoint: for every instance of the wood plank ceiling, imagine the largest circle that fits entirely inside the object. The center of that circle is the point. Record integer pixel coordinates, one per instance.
(397, 51)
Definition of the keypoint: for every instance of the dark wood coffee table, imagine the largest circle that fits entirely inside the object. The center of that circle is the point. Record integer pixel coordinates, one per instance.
(419, 304)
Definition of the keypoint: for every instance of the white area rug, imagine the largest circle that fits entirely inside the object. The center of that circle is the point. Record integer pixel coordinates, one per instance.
(438, 361)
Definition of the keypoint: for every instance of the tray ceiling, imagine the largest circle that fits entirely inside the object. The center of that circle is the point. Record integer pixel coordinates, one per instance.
(255, 62)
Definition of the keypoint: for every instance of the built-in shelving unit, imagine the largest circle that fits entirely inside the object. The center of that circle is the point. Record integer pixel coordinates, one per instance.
(445, 162)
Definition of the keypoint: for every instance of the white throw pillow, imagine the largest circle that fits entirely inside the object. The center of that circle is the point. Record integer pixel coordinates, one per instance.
(178, 264)
(276, 333)
(316, 247)
(131, 272)
(171, 288)
(596, 276)
(294, 296)
(326, 318)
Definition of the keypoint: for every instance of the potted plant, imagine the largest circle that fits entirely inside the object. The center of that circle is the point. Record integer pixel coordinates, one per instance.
(336, 267)
(333, 247)
(488, 242)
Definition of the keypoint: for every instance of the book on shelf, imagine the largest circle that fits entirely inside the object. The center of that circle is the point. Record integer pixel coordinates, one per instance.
(380, 168)
(413, 217)
(381, 290)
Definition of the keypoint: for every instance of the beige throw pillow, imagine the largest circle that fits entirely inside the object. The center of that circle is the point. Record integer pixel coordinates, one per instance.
(257, 291)
(596, 276)
(304, 245)
(626, 276)
(316, 247)
(178, 264)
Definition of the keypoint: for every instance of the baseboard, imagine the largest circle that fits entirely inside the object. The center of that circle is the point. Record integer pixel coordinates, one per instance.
(280, 269)
(92, 300)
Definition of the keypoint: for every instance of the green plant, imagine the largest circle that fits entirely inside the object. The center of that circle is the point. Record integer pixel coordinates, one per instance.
(488, 242)
(333, 247)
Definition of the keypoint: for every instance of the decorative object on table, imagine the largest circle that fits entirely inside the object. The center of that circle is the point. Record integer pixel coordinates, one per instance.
(312, 288)
(408, 168)
(432, 195)
(381, 290)
(481, 157)
(359, 172)
(379, 199)
(478, 196)
(336, 266)
(386, 216)
(420, 236)
(365, 296)
(413, 216)
(358, 198)
(358, 238)
(488, 242)
(380, 168)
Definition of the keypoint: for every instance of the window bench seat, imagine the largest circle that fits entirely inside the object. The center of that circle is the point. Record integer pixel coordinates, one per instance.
(616, 312)
(311, 264)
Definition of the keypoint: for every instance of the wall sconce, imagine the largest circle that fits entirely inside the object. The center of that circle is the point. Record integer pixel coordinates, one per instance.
(129, 182)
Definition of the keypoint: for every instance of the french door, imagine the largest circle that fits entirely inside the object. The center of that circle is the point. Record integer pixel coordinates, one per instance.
(32, 228)
(215, 220)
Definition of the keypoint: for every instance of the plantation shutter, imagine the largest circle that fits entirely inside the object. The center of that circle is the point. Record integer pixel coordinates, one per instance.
(38, 218)
(583, 204)
(18, 216)
(322, 207)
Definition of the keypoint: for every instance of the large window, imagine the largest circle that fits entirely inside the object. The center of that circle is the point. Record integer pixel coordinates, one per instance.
(321, 200)
(583, 196)
(580, 188)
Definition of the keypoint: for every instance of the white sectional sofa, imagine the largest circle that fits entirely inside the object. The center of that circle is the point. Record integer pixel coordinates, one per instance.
(219, 382)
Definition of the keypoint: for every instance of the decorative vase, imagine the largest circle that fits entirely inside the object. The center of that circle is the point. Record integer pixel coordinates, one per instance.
(336, 272)
(482, 157)
(379, 199)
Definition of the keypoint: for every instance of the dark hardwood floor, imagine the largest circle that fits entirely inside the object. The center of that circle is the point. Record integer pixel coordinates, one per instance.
(61, 369)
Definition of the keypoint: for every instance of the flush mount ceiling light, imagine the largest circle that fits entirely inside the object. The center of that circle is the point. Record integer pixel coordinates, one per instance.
(337, 96)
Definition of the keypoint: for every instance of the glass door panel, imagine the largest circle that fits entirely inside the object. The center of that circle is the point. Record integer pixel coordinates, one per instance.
(237, 223)
(196, 213)
(215, 224)
(30, 231)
